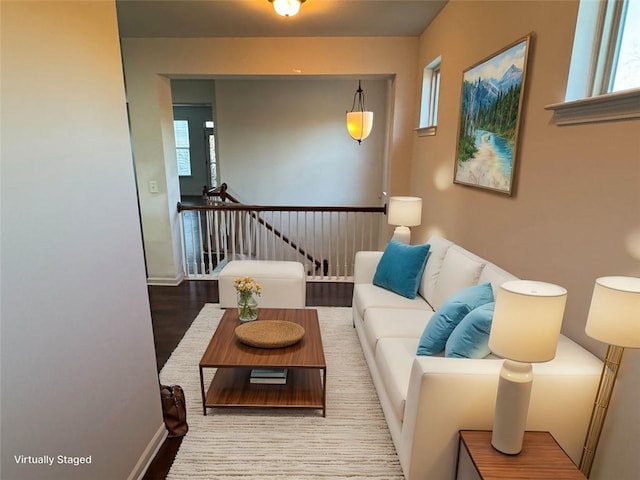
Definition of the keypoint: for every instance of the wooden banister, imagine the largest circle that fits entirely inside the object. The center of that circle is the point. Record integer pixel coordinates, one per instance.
(220, 200)
(235, 207)
(253, 209)
(221, 192)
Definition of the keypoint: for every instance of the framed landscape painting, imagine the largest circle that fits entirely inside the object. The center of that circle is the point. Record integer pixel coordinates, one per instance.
(491, 103)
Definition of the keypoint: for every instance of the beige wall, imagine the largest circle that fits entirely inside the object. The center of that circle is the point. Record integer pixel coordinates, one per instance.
(149, 63)
(79, 373)
(575, 213)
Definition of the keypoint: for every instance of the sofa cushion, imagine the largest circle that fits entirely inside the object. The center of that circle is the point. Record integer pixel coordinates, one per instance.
(394, 359)
(400, 268)
(365, 264)
(437, 251)
(449, 315)
(367, 295)
(460, 269)
(386, 322)
(470, 339)
(495, 276)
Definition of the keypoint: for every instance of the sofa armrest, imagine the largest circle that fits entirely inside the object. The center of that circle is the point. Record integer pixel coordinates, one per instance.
(445, 395)
(365, 266)
(449, 394)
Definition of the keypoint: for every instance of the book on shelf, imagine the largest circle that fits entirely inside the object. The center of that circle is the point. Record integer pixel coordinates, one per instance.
(269, 376)
(269, 372)
(269, 380)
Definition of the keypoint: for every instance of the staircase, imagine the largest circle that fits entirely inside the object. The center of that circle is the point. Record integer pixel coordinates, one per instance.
(323, 238)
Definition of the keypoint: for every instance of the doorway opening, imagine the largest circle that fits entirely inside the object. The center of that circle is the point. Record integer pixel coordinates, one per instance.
(196, 150)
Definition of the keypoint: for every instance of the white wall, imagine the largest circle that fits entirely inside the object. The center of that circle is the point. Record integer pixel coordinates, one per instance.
(78, 365)
(150, 62)
(285, 142)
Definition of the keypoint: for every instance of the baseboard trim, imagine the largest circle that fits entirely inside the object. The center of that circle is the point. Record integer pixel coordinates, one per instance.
(170, 282)
(149, 454)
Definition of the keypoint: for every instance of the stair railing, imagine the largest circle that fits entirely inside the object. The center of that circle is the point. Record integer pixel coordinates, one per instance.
(212, 195)
(323, 238)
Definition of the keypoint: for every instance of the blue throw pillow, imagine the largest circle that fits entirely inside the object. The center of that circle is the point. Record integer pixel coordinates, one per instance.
(400, 268)
(449, 315)
(470, 339)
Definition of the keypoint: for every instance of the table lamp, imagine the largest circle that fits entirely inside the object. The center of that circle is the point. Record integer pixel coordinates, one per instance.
(614, 318)
(404, 212)
(525, 329)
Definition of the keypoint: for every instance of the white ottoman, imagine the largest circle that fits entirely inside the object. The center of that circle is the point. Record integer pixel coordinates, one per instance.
(283, 283)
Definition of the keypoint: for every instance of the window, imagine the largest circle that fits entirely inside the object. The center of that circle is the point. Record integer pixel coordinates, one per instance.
(213, 162)
(604, 75)
(183, 154)
(626, 71)
(430, 98)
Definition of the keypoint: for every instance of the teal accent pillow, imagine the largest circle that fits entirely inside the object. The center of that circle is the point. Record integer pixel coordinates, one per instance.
(449, 315)
(400, 268)
(470, 339)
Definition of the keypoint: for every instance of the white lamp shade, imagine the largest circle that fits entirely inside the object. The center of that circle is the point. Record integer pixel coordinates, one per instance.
(614, 315)
(527, 320)
(405, 211)
(286, 8)
(359, 124)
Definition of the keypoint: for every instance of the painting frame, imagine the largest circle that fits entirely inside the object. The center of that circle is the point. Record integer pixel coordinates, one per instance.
(492, 96)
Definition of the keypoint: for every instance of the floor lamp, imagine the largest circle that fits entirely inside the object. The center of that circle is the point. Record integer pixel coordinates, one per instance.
(525, 329)
(614, 318)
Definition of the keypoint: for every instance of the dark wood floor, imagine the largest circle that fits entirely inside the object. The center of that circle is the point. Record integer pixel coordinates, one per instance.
(174, 308)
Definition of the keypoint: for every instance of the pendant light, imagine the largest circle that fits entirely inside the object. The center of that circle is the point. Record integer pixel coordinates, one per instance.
(287, 8)
(359, 122)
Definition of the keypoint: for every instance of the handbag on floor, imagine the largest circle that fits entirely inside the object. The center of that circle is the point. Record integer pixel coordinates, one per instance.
(174, 410)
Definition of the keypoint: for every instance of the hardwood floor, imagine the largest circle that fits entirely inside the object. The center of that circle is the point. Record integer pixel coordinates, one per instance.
(172, 311)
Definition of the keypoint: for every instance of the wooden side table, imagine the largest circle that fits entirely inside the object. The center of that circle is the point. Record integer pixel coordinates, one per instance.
(541, 459)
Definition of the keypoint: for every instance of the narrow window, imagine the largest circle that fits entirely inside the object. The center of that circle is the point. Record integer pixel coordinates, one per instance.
(213, 161)
(434, 92)
(626, 71)
(430, 98)
(183, 154)
(604, 74)
(606, 49)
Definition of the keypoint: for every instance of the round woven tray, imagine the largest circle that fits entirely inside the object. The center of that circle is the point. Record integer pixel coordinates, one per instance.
(269, 333)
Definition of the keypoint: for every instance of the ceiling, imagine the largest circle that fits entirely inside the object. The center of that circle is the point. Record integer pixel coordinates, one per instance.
(256, 18)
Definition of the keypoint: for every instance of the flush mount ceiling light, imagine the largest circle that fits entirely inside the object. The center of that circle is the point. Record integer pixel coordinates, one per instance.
(359, 122)
(286, 8)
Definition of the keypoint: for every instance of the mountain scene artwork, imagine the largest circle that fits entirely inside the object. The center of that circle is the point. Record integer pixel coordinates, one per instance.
(489, 117)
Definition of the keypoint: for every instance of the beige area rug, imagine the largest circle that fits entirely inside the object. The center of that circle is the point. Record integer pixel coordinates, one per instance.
(352, 442)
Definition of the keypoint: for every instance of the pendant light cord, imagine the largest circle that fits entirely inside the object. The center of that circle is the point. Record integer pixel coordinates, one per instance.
(360, 96)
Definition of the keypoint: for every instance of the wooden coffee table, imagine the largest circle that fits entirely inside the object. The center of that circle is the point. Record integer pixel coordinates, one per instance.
(307, 368)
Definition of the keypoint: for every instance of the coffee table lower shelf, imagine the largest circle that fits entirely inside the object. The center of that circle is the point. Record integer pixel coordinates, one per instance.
(231, 387)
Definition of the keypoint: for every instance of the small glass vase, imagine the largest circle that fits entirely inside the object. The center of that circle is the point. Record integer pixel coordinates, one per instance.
(247, 306)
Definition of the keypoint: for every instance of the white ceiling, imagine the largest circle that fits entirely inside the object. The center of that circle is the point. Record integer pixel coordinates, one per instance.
(256, 18)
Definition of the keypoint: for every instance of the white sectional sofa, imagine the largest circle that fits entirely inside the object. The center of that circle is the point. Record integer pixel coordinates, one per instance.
(427, 399)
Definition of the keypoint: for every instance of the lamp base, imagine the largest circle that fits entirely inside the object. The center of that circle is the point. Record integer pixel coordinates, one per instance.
(512, 404)
(402, 234)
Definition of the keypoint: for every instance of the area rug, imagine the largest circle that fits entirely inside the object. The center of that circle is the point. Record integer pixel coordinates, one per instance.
(351, 442)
